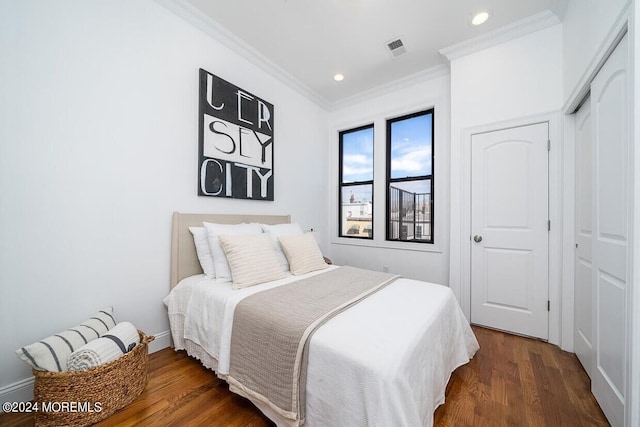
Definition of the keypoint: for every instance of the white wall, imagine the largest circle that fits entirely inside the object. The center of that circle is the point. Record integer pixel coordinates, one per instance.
(98, 146)
(506, 83)
(414, 260)
(589, 26)
(518, 78)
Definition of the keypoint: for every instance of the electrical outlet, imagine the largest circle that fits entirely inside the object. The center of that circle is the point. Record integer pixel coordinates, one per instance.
(385, 268)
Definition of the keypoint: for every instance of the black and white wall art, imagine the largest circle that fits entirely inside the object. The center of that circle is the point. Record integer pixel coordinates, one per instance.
(235, 141)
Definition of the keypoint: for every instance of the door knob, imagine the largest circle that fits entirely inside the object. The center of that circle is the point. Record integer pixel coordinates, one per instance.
(477, 238)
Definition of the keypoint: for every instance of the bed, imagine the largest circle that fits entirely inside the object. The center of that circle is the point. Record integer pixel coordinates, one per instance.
(384, 360)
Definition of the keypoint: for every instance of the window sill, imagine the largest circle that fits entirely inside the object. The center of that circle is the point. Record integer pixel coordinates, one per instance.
(387, 244)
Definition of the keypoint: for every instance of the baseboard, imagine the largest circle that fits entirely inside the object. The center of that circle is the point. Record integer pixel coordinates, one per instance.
(22, 391)
(162, 341)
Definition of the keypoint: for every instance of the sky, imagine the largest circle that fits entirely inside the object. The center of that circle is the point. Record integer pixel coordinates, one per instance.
(411, 143)
(357, 155)
(411, 147)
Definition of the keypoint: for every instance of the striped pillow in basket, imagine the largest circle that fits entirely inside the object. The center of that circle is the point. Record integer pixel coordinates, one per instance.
(51, 353)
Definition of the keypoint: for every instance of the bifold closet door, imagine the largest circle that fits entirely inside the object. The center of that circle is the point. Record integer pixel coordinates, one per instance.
(611, 166)
(583, 289)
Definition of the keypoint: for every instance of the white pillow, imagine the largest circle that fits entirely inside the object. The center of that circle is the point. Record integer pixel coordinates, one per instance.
(281, 230)
(252, 259)
(302, 253)
(221, 266)
(51, 353)
(204, 253)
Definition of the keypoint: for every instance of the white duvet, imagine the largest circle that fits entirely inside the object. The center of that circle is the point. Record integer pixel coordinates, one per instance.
(384, 362)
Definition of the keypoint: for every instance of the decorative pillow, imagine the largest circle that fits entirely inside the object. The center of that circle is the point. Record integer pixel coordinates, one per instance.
(51, 353)
(221, 266)
(204, 253)
(252, 259)
(302, 253)
(281, 230)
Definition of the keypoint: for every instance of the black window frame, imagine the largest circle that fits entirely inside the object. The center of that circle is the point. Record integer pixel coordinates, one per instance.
(342, 184)
(390, 181)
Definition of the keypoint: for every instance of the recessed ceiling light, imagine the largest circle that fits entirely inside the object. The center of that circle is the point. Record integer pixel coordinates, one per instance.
(480, 18)
(338, 77)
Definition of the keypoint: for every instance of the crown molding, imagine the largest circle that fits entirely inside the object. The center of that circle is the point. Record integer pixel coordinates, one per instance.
(393, 86)
(523, 27)
(193, 15)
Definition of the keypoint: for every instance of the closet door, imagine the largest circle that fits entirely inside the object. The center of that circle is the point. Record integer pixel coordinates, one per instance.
(611, 166)
(583, 290)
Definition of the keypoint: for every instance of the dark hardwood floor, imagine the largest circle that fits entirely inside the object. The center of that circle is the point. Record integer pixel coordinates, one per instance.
(512, 381)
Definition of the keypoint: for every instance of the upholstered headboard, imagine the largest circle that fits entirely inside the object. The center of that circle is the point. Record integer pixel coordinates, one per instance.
(184, 261)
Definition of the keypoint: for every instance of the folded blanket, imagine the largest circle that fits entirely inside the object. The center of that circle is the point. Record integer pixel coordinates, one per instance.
(119, 340)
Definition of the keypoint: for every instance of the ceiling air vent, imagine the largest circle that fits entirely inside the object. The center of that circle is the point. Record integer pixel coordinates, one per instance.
(396, 47)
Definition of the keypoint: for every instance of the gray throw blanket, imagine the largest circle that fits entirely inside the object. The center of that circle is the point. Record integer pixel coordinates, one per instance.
(272, 328)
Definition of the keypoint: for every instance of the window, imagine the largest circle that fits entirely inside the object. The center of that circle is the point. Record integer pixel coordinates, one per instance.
(410, 178)
(356, 183)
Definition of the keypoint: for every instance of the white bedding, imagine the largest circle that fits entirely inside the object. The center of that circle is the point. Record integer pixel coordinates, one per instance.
(385, 361)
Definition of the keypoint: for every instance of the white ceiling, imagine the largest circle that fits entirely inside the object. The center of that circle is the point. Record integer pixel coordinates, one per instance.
(312, 40)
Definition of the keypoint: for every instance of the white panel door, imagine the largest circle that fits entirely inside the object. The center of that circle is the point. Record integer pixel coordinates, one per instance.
(509, 214)
(583, 290)
(610, 106)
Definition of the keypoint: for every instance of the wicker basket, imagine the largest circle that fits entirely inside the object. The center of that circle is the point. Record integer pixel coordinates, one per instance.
(82, 398)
